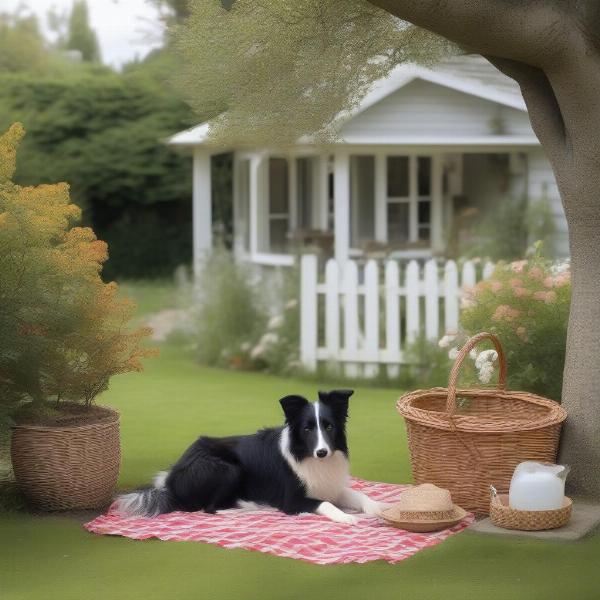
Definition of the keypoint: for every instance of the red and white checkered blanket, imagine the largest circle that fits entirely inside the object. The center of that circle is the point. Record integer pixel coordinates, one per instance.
(307, 537)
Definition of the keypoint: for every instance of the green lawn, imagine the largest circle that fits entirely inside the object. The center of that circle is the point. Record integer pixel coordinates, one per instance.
(162, 411)
(149, 295)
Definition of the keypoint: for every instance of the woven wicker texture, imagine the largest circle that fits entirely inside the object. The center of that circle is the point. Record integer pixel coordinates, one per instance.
(67, 467)
(502, 515)
(465, 448)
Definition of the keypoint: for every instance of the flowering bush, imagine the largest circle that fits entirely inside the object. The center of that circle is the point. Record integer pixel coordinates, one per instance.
(526, 304)
(277, 348)
(228, 312)
(63, 331)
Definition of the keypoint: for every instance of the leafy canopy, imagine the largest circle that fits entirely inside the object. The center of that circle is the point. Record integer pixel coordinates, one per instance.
(285, 69)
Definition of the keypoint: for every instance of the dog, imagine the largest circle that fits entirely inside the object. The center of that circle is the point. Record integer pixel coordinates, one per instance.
(301, 467)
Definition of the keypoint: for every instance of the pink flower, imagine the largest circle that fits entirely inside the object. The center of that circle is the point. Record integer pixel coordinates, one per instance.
(549, 282)
(505, 313)
(496, 286)
(536, 273)
(521, 292)
(562, 279)
(518, 266)
(515, 283)
(522, 333)
(547, 297)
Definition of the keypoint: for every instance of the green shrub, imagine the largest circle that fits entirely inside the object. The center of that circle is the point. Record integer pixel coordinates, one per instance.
(525, 303)
(505, 231)
(228, 311)
(278, 349)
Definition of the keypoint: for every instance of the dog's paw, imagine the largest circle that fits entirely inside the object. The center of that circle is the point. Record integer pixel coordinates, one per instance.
(348, 519)
(374, 509)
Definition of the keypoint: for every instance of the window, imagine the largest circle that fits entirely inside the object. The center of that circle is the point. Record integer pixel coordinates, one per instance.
(408, 199)
(397, 180)
(424, 192)
(362, 200)
(244, 203)
(279, 204)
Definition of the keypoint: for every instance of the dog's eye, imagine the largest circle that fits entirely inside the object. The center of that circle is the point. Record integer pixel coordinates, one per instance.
(329, 427)
(307, 430)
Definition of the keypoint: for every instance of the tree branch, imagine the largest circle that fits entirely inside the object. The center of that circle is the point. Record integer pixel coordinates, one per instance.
(543, 107)
(524, 30)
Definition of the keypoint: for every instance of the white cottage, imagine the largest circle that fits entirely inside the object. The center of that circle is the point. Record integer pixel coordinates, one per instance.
(422, 148)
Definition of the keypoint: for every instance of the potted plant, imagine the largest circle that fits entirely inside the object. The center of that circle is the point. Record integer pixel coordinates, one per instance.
(63, 335)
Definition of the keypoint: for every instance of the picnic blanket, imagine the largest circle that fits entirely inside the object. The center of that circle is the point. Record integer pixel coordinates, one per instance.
(308, 537)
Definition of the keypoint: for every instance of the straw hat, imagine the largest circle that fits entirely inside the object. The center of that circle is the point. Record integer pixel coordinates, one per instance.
(424, 508)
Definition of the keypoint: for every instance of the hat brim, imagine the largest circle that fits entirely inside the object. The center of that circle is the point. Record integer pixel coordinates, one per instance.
(425, 525)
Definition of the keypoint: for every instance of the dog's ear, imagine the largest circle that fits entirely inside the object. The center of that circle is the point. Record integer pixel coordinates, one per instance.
(292, 405)
(337, 400)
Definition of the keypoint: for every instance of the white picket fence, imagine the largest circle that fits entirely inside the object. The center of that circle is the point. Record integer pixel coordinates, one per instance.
(365, 320)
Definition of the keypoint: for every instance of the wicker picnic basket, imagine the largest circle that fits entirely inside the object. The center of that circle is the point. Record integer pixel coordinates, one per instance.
(67, 467)
(468, 447)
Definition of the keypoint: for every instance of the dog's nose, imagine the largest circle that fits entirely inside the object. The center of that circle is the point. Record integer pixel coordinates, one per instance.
(321, 453)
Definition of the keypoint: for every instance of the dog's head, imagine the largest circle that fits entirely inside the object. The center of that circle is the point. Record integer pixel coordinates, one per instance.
(317, 429)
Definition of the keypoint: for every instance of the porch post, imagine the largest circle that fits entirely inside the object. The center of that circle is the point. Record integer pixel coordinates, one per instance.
(437, 236)
(321, 214)
(293, 193)
(341, 174)
(201, 207)
(254, 203)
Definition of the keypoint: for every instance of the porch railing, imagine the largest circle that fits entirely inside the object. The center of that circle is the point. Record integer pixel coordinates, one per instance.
(364, 317)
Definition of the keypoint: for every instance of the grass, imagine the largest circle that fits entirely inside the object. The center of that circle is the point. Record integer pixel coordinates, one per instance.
(163, 410)
(149, 295)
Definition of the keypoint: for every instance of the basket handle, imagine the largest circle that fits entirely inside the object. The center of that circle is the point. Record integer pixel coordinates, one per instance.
(464, 352)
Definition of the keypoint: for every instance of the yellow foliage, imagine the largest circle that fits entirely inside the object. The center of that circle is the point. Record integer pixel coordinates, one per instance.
(63, 331)
(9, 143)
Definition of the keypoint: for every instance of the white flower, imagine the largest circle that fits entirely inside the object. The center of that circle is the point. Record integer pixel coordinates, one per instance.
(291, 304)
(269, 339)
(275, 322)
(473, 354)
(446, 340)
(453, 353)
(487, 356)
(257, 352)
(485, 372)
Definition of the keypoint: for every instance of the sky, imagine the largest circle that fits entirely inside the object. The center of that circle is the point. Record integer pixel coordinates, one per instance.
(125, 28)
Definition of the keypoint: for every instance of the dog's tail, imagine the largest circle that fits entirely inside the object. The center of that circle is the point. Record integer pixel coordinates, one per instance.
(147, 502)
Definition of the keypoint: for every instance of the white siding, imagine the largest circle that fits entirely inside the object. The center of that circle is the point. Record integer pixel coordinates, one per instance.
(424, 108)
(542, 185)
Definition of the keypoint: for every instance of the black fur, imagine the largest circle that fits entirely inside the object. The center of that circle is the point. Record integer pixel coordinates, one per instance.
(215, 473)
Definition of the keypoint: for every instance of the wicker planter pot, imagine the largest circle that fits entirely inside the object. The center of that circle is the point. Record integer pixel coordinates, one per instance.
(66, 467)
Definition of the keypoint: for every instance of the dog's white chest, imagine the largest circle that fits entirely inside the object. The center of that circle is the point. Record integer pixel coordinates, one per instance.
(324, 479)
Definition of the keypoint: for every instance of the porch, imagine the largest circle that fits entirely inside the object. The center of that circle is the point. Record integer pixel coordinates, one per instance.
(355, 202)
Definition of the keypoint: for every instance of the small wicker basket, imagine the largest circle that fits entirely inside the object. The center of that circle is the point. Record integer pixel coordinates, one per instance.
(502, 515)
(466, 449)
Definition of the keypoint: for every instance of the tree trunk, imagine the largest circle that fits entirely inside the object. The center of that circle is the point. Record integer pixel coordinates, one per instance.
(580, 444)
(552, 49)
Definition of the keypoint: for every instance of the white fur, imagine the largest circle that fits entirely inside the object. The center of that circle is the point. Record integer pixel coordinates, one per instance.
(321, 443)
(335, 514)
(130, 504)
(160, 480)
(323, 478)
(356, 500)
(328, 479)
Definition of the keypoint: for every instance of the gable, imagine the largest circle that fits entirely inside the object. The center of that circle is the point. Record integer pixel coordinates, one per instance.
(423, 108)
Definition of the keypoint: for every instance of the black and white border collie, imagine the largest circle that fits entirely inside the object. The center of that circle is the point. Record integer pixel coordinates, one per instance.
(300, 467)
